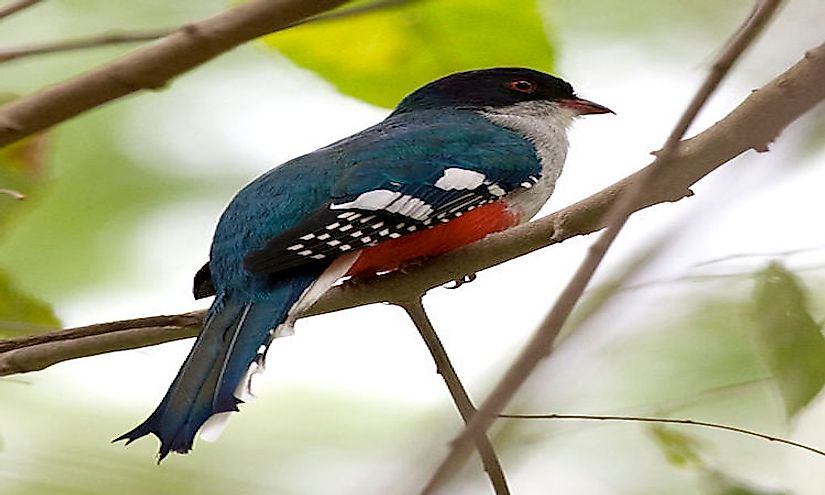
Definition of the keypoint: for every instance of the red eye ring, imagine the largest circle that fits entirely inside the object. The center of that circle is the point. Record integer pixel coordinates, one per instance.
(522, 86)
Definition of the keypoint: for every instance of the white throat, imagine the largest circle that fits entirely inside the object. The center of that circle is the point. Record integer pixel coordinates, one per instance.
(544, 124)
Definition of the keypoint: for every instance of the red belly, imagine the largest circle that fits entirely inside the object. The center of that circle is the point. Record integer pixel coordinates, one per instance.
(470, 227)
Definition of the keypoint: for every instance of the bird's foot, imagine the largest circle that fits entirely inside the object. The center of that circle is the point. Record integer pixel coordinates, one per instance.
(466, 279)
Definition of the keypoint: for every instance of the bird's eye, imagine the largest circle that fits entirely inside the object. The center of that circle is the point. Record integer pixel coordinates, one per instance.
(522, 86)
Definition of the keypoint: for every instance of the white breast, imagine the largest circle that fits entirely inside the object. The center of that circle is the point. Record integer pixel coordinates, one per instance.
(545, 125)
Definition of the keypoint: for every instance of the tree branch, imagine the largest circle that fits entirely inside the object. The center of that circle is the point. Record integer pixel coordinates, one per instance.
(41, 351)
(153, 66)
(540, 345)
(752, 125)
(415, 310)
(17, 6)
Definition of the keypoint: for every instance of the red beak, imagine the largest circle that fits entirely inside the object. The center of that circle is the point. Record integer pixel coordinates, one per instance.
(585, 107)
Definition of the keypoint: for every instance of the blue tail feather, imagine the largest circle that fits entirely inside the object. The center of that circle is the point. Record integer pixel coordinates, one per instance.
(206, 383)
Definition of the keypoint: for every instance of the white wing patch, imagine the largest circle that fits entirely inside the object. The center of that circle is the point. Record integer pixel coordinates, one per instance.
(370, 200)
(386, 200)
(459, 178)
(404, 204)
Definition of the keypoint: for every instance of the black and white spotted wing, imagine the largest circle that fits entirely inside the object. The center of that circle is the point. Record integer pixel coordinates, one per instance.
(367, 219)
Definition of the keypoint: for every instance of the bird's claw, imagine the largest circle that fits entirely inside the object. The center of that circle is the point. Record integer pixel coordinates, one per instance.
(461, 281)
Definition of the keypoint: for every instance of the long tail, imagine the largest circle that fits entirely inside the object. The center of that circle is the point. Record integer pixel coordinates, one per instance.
(231, 339)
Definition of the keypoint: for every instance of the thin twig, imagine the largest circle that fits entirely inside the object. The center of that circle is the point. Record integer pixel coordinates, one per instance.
(105, 39)
(766, 254)
(724, 390)
(119, 38)
(17, 6)
(541, 344)
(710, 277)
(36, 352)
(675, 421)
(415, 310)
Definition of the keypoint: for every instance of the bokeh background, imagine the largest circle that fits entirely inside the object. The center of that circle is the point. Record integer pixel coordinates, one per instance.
(722, 323)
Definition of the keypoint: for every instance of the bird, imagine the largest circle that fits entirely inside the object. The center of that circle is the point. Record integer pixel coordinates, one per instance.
(464, 156)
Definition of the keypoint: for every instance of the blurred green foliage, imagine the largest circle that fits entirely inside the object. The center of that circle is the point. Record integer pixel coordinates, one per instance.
(22, 169)
(78, 231)
(21, 313)
(679, 448)
(707, 346)
(685, 450)
(718, 483)
(789, 339)
(84, 195)
(698, 360)
(381, 56)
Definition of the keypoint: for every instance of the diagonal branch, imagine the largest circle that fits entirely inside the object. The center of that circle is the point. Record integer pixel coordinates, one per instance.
(415, 310)
(540, 345)
(752, 125)
(153, 66)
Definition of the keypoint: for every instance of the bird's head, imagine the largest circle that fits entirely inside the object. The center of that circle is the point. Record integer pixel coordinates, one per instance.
(501, 89)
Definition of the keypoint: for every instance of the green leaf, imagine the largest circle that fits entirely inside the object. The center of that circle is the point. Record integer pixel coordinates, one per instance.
(789, 339)
(684, 451)
(381, 56)
(22, 314)
(679, 449)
